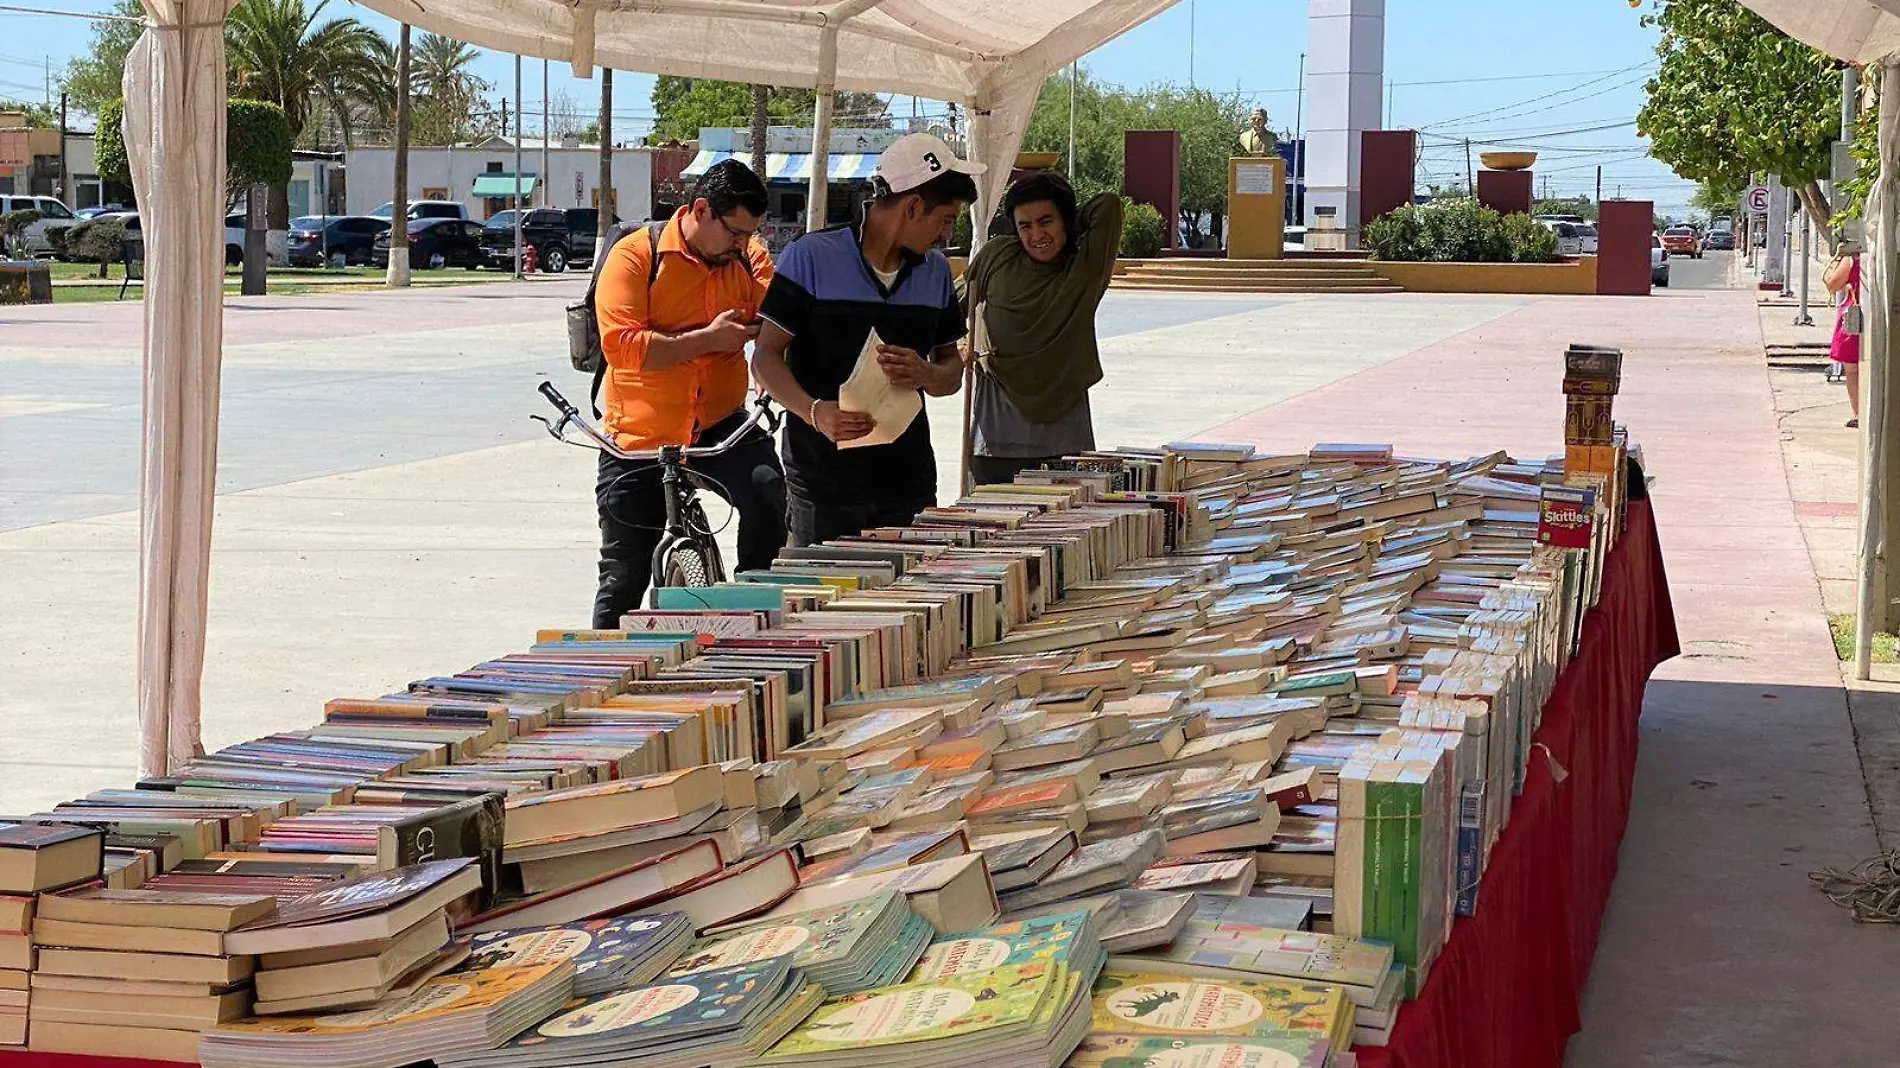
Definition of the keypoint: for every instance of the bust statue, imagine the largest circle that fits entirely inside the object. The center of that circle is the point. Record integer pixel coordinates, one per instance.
(1258, 140)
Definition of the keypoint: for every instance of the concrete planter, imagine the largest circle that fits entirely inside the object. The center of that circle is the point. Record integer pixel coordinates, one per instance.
(25, 282)
(1578, 277)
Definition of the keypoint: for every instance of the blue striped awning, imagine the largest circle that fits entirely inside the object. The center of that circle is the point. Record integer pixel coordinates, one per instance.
(791, 166)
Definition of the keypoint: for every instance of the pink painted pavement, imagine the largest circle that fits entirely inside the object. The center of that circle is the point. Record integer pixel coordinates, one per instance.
(1748, 777)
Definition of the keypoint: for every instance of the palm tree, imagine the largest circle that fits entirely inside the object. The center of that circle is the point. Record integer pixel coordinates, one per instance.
(278, 51)
(440, 67)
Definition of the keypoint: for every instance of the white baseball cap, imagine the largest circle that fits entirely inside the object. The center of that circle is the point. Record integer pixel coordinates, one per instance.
(915, 159)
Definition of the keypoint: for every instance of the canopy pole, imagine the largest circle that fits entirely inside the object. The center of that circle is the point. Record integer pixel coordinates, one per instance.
(1876, 345)
(818, 198)
(988, 185)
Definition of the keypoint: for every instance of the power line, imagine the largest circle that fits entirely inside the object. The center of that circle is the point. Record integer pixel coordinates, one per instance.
(1534, 99)
(1550, 107)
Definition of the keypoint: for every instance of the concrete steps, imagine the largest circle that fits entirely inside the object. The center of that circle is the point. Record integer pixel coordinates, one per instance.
(1253, 276)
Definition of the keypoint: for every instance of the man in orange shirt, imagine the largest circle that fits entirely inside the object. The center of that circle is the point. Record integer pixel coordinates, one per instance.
(674, 338)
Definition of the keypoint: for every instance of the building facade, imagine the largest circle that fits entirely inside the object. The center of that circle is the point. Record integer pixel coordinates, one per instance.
(480, 176)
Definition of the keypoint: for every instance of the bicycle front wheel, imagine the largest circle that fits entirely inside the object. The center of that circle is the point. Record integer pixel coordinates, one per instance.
(687, 564)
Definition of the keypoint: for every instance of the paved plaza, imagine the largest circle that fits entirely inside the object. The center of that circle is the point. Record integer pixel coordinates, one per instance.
(388, 512)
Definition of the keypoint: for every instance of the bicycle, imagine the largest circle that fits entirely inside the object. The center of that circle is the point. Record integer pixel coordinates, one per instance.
(687, 554)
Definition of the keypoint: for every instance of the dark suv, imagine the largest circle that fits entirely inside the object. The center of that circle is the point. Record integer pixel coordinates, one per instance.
(559, 236)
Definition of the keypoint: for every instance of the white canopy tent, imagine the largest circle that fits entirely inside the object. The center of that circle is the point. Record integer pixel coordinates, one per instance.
(1867, 32)
(990, 55)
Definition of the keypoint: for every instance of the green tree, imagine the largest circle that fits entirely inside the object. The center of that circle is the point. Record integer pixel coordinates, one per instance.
(257, 145)
(97, 78)
(1210, 127)
(1734, 95)
(684, 105)
(1715, 198)
(278, 51)
(38, 116)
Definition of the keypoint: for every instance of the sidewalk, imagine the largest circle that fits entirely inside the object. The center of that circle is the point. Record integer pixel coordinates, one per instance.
(1714, 941)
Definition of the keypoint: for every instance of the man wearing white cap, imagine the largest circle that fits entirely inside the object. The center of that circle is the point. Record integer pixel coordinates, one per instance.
(831, 290)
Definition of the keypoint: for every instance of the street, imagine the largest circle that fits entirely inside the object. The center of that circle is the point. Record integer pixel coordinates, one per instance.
(1709, 272)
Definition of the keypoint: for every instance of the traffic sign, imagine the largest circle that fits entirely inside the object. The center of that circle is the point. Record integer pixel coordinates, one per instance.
(1756, 199)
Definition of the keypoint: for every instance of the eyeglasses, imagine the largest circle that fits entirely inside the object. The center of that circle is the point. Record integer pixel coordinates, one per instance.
(739, 237)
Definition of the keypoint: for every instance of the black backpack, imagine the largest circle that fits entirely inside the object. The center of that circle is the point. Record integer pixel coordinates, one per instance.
(583, 324)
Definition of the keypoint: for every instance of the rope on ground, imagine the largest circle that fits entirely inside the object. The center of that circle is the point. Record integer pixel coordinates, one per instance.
(1870, 890)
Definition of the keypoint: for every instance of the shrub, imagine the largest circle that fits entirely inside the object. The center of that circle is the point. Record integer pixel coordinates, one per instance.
(100, 241)
(13, 231)
(1458, 231)
(56, 237)
(1143, 231)
(1530, 241)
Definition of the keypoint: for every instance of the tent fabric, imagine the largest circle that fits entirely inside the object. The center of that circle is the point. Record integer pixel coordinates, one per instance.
(789, 166)
(1862, 31)
(988, 55)
(939, 49)
(174, 124)
(502, 185)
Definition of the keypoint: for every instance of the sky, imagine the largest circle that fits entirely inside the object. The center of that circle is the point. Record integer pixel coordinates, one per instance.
(1563, 78)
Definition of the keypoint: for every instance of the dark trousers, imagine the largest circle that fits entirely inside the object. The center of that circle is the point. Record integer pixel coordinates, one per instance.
(633, 514)
(814, 522)
(1001, 470)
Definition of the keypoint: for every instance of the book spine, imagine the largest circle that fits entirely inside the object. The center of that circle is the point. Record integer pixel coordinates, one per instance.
(1470, 849)
(1413, 863)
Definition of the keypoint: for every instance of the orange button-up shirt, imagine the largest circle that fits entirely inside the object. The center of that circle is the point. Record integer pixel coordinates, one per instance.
(646, 408)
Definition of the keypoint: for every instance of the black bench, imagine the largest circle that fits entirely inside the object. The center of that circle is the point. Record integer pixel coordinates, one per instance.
(134, 261)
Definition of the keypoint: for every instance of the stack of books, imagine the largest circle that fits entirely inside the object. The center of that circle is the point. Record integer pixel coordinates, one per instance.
(846, 948)
(445, 1016)
(608, 954)
(138, 972)
(1140, 1014)
(1017, 1014)
(34, 859)
(722, 1016)
(359, 942)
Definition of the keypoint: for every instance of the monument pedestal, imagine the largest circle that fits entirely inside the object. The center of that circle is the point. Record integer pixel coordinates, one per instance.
(25, 282)
(1256, 208)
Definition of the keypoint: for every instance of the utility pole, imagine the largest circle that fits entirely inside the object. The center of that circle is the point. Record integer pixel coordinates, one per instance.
(1802, 318)
(504, 116)
(398, 274)
(761, 127)
(1297, 202)
(1599, 186)
(1470, 188)
(547, 135)
(1191, 14)
(65, 189)
(1390, 89)
(520, 208)
(1074, 75)
(609, 205)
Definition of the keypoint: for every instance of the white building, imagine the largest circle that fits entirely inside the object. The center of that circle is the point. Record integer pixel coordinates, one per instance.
(788, 168)
(481, 176)
(1345, 78)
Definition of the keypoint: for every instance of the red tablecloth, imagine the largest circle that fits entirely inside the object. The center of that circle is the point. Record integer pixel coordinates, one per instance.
(1506, 990)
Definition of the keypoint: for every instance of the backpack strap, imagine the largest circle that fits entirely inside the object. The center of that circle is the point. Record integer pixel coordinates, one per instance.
(614, 237)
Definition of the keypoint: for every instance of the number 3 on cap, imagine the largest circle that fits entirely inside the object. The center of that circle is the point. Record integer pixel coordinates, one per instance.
(935, 164)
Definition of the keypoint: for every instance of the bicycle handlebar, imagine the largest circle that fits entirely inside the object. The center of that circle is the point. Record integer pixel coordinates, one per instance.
(762, 415)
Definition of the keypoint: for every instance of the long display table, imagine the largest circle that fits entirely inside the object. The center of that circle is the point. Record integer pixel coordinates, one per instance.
(1507, 989)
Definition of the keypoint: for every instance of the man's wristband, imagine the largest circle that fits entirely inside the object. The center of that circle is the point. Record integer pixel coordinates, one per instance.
(812, 415)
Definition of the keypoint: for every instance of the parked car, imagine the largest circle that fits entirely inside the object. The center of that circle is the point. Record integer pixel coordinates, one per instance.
(234, 238)
(1719, 241)
(1587, 232)
(436, 243)
(1682, 240)
(1569, 238)
(424, 209)
(52, 213)
(103, 209)
(1658, 261)
(559, 236)
(334, 240)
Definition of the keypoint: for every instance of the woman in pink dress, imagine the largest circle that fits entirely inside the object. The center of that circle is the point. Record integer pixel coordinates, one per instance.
(1843, 277)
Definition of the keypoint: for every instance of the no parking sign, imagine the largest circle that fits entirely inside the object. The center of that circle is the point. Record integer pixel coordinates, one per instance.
(1756, 199)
